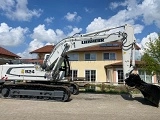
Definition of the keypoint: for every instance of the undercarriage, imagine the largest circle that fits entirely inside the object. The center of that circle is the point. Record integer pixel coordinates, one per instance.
(73, 87)
(36, 90)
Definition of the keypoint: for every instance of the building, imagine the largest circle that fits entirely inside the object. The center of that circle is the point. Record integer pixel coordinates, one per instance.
(100, 63)
(6, 55)
(42, 51)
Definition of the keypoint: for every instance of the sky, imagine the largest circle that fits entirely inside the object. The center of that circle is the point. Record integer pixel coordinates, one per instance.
(26, 25)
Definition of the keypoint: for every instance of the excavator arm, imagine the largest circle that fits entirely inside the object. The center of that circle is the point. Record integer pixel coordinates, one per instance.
(125, 35)
(149, 91)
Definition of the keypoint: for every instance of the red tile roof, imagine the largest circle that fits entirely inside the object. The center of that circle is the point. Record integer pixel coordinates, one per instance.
(120, 64)
(7, 53)
(45, 49)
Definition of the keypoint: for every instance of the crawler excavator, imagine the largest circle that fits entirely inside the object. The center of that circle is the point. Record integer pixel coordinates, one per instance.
(50, 81)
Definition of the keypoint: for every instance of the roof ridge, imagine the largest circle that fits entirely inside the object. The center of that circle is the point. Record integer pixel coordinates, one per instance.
(4, 51)
(45, 49)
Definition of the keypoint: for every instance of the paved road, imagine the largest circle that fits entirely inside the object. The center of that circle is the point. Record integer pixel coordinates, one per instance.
(81, 107)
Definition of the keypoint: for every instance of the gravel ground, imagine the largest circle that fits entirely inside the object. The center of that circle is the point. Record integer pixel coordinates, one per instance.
(81, 107)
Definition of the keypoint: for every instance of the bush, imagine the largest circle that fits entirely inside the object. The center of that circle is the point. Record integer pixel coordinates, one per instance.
(105, 88)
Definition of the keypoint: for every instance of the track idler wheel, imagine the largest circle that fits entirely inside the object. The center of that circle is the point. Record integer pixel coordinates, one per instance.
(67, 94)
(66, 97)
(75, 89)
(5, 92)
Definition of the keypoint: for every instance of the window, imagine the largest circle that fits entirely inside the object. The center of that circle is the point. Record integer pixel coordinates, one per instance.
(90, 56)
(109, 75)
(145, 76)
(73, 57)
(90, 75)
(120, 77)
(109, 56)
(73, 73)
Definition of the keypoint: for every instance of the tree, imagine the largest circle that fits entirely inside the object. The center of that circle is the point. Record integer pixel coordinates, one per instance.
(151, 57)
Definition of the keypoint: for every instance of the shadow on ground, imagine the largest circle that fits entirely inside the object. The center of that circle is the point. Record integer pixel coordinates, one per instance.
(140, 99)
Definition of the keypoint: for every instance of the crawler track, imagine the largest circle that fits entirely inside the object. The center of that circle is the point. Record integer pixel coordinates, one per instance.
(73, 87)
(38, 91)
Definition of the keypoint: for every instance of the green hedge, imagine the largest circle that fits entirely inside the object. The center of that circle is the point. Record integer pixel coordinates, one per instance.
(104, 88)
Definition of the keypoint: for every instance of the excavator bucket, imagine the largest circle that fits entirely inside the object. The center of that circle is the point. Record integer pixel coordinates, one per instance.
(149, 91)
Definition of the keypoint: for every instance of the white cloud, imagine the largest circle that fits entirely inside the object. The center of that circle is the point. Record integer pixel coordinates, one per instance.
(114, 5)
(69, 27)
(88, 10)
(11, 36)
(47, 35)
(49, 44)
(147, 10)
(114, 21)
(145, 40)
(49, 20)
(74, 31)
(52, 36)
(17, 10)
(151, 36)
(72, 17)
(96, 24)
(25, 55)
(42, 36)
(151, 10)
(33, 45)
(138, 28)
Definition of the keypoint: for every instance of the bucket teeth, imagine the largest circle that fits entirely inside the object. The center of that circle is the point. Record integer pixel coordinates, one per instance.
(150, 92)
